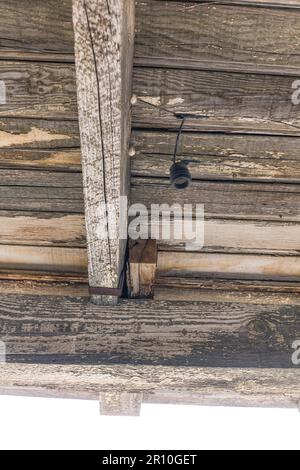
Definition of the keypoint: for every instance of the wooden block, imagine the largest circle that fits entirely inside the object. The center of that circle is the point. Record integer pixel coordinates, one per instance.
(120, 403)
(142, 268)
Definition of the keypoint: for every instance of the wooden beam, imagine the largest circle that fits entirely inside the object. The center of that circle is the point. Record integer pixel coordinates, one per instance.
(209, 334)
(104, 38)
(173, 385)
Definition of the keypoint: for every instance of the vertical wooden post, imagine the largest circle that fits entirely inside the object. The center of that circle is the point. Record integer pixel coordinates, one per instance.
(104, 41)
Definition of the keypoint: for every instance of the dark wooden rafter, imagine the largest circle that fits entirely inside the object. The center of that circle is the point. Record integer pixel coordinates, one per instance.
(104, 37)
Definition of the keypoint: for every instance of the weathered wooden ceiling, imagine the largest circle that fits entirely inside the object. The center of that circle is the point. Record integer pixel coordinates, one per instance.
(232, 62)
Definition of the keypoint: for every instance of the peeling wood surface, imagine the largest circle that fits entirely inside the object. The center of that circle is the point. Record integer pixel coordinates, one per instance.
(173, 385)
(104, 41)
(68, 159)
(38, 133)
(228, 101)
(68, 330)
(231, 102)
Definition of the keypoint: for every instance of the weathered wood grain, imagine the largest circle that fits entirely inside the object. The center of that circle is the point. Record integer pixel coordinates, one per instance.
(231, 200)
(142, 268)
(42, 283)
(38, 134)
(190, 264)
(42, 229)
(173, 385)
(230, 102)
(214, 35)
(261, 3)
(104, 41)
(55, 159)
(60, 330)
(43, 258)
(36, 288)
(39, 178)
(187, 289)
(44, 31)
(218, 156)
(38, 90)
(233, 236)
(36, 27)
(41, 198)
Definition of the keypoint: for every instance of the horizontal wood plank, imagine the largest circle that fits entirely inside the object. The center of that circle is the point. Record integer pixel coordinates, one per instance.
(262, 3)
(73, 260)
(231, 236)
(38, 134)
(22, 282)
(200, 289)
(231, 200)
(36, 28)
(42, 229)
(54, 179)
(55, 159)
(218, 156)
(230, 102)
(41, 198)
(214, 35)
(38, 90)
(208, 334)
(191, 264)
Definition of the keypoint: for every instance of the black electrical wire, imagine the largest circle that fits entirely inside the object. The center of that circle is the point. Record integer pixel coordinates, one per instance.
(178, 139)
